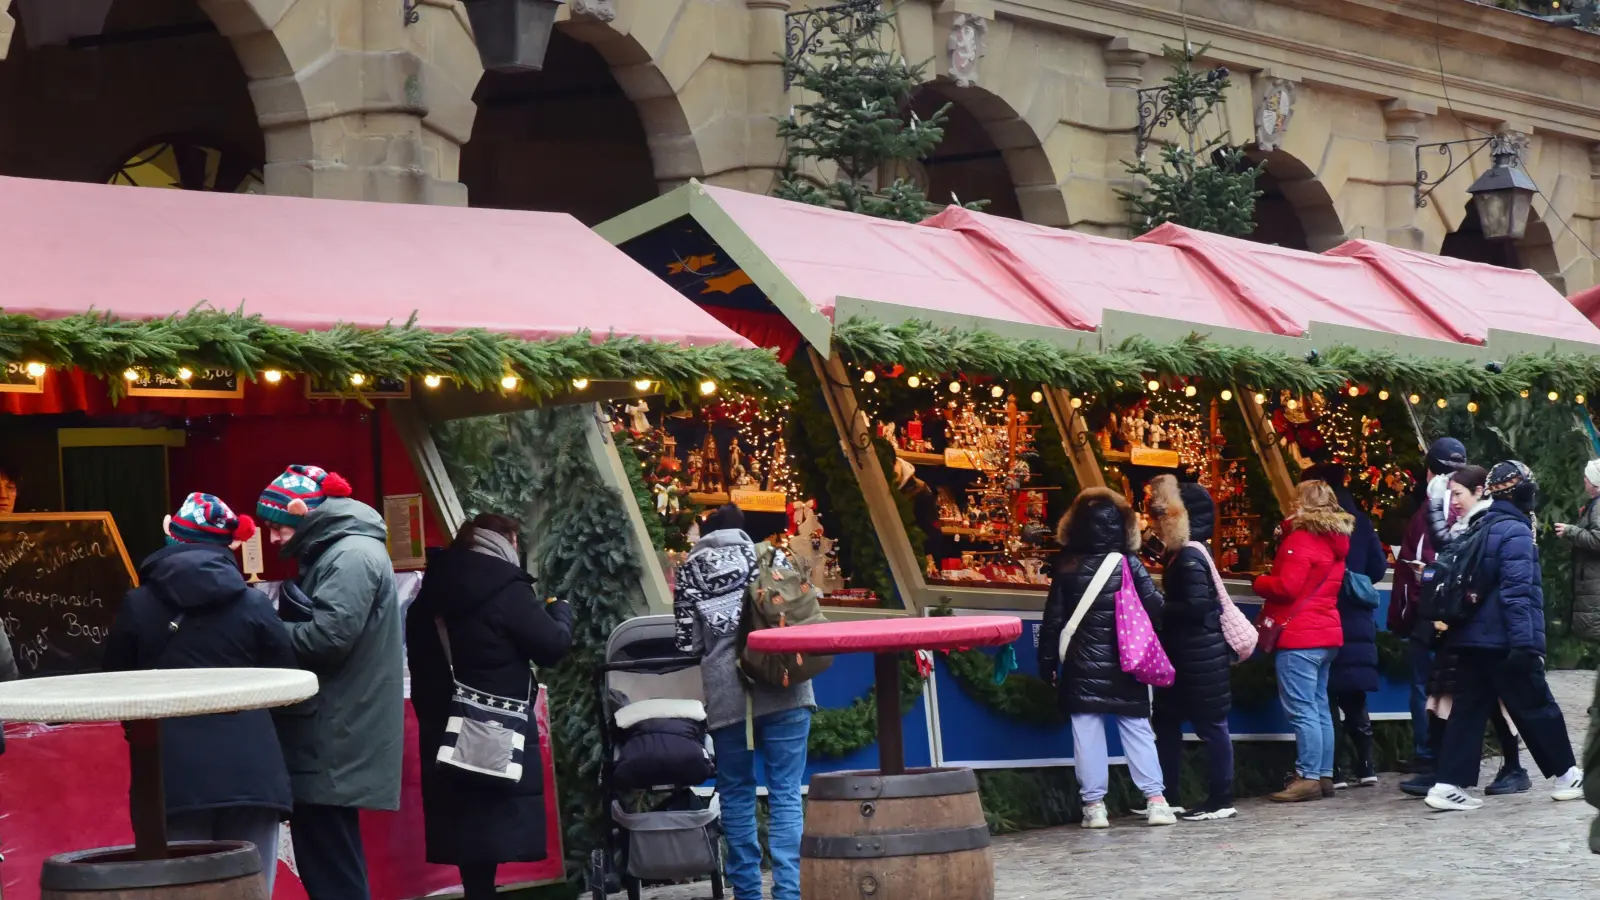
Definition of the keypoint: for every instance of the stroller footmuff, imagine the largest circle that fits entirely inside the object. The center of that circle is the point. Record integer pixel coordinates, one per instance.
(662, 743)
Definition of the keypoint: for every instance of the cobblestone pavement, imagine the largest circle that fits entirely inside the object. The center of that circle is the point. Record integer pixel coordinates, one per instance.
(1367, 842)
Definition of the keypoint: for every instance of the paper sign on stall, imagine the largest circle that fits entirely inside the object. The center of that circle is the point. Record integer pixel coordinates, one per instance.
(251, 560)
(402, 514)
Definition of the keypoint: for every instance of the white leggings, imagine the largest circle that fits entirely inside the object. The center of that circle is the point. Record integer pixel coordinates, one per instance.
(1091, 765)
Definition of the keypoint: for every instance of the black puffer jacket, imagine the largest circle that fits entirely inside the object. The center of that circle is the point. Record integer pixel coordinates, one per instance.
(1091, 679)
(222, 760)
(1191, 618)
(1355, 669)
(497, 626)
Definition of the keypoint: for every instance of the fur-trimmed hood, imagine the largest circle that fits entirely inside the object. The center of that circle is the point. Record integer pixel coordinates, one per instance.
(1100, 521)
(1322, 521)
(1169, 516)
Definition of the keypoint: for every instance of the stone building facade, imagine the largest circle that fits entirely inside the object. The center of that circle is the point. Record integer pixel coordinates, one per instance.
(387, 100)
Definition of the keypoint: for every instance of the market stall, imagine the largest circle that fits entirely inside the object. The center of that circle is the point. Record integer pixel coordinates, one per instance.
(160, 342)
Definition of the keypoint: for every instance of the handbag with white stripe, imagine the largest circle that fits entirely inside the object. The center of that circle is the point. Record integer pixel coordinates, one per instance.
(484, 737)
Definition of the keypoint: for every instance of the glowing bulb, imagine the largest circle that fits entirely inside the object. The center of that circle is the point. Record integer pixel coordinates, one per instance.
(1524, 394)
(273, 376)
(358, 379)
(1190, 391)
(1226, 395)
(432, 381)
(1261, 399)
(1472, 407)
(869, 376)
(1441, 403)
(185, 374)
(1036, 396)
(1414, 399)
(1153, 385)
(913, 381)
(1578, 399)
(708, 387)
(955, 387)
(997, 392)
(1383, 395)
(1554, 396)
(1293, 403)
(509, 382)
(579, 384)
(642, 384)
(131, 375)
(1077, 402)
(1354, 391)
(35, 369)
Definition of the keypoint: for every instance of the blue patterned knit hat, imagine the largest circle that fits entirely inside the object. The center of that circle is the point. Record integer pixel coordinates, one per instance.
(205, 519)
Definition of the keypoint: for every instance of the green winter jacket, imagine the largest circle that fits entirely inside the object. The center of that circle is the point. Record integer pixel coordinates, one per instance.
(1584, 536)
(343, 746)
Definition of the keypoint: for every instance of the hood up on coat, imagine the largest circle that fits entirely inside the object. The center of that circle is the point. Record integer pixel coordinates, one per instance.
(336, 519)
(191, 576)
(1099, 521)
(1202, 511)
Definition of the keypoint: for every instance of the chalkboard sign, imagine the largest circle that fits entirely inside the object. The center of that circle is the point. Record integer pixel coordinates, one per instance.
(62, 579)
(215, 383)
(14, 379)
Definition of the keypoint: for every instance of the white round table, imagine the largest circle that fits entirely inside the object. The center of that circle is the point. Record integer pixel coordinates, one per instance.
(141, 699)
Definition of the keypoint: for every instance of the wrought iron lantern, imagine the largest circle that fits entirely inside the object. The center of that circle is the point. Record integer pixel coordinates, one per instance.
(512, 35)
(1503, 195)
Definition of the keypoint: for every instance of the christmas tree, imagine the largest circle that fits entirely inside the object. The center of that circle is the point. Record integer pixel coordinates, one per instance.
(1201, 183)
(858, 118)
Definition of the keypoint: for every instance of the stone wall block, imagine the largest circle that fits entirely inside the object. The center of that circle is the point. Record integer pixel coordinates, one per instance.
(652, 23)
(693, 38)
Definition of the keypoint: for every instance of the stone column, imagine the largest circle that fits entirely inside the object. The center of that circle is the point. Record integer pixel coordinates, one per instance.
(767, 99)
(1124, 77)
(1400, 205)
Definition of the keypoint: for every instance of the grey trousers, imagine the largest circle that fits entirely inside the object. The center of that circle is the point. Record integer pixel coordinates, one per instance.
(256, 824)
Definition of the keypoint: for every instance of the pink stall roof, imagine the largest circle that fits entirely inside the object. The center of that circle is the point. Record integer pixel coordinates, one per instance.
(306, 264)
(1080, 276)
(1587, 302)
(829, 254)
(1291, 288)
(1474, 297)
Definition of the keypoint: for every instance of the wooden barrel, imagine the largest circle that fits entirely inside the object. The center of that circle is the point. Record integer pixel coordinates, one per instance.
(194, 870)
(916, 836)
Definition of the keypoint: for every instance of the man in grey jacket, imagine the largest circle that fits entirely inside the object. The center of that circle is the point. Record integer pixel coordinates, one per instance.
(343, 746)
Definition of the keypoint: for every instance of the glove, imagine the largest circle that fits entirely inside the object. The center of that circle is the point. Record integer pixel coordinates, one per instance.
(1523, 660)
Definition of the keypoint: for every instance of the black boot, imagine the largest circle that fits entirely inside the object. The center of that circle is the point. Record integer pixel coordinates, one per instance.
(1366, 768)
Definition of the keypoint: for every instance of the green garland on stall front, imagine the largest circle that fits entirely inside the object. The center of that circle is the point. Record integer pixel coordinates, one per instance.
(207, 338)
(841, 732)
(921, 346)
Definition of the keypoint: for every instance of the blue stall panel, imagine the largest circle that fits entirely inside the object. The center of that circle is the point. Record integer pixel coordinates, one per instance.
(847, 680)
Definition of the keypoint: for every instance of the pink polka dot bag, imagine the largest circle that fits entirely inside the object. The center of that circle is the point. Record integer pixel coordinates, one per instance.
(1140, 651)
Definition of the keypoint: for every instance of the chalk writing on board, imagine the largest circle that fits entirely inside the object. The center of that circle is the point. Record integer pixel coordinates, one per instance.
(62, 578)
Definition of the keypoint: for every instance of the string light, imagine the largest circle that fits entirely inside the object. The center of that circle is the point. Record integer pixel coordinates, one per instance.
(273, 376)
(1037, 396)
(955, 387)
(184, 374)
(1578, 399)
(1524, 393)
(358, 379)
(869, 376)
(1354, 391)
(1414, 399)
(997, 392)
(131, 374)
(1554, 396)
(914, 381)
(1383, 395)
(1077, 402)
(1441, 403)
(1472, 407)
(708, 387)
(1190, 391)
(509, 382)
(35, 369)
(1153, 385)
(642, 384)
(432, 381)
(578, 384)
(1261, 399)
(1226, 395)
(1293, 403)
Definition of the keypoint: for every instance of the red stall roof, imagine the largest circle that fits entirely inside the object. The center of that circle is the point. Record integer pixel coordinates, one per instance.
(827, 254)
(309, 264)
(1474, 297)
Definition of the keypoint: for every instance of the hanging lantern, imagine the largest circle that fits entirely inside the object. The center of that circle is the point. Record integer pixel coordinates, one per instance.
(1503, 196)
(512, 35)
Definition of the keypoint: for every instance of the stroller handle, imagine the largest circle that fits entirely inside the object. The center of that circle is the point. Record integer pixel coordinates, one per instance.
(659, 662)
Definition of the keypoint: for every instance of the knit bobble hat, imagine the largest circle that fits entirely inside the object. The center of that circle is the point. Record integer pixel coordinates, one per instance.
(298, 491)
(205, 519)
(1512, 480)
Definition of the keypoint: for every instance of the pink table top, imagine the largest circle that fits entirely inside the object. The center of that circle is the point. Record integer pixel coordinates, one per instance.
(890, 635)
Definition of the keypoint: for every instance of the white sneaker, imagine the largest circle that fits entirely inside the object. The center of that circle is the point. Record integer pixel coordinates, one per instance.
(1158, 813)
(1094, 816)
(1568, 786)
(1449, 797)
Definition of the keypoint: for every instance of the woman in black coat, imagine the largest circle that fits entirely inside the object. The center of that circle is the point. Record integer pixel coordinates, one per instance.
(497, 626)
(1191, 633)
(1100, 525)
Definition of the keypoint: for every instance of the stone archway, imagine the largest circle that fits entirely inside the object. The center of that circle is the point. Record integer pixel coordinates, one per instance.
(1536, 250)
(985, 151)
(1295, 209)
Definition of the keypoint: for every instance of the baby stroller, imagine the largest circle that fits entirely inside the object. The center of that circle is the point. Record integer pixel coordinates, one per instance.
(653, 742)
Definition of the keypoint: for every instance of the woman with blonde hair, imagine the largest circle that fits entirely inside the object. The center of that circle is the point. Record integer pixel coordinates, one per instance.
(1302, 604)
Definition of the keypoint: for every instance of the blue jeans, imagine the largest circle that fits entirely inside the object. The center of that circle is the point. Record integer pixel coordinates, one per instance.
(781, 743)
(1421, 665)
(1303, 689)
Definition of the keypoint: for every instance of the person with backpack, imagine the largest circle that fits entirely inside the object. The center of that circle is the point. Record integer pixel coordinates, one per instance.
(745, 717)
(1583, 536)
(1355, 668)
(223, 775)
(1468, 502)
(1099, 536)
(1300, 623)
(1184, 518)
(1499, 625)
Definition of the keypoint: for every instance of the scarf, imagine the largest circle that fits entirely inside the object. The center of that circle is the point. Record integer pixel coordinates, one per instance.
(490, 544)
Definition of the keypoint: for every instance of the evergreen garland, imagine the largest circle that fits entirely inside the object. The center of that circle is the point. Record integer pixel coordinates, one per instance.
(921, 346)
(206, 338)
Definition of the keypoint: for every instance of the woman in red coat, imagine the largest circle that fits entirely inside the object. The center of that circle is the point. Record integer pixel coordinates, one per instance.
(1302, 593)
